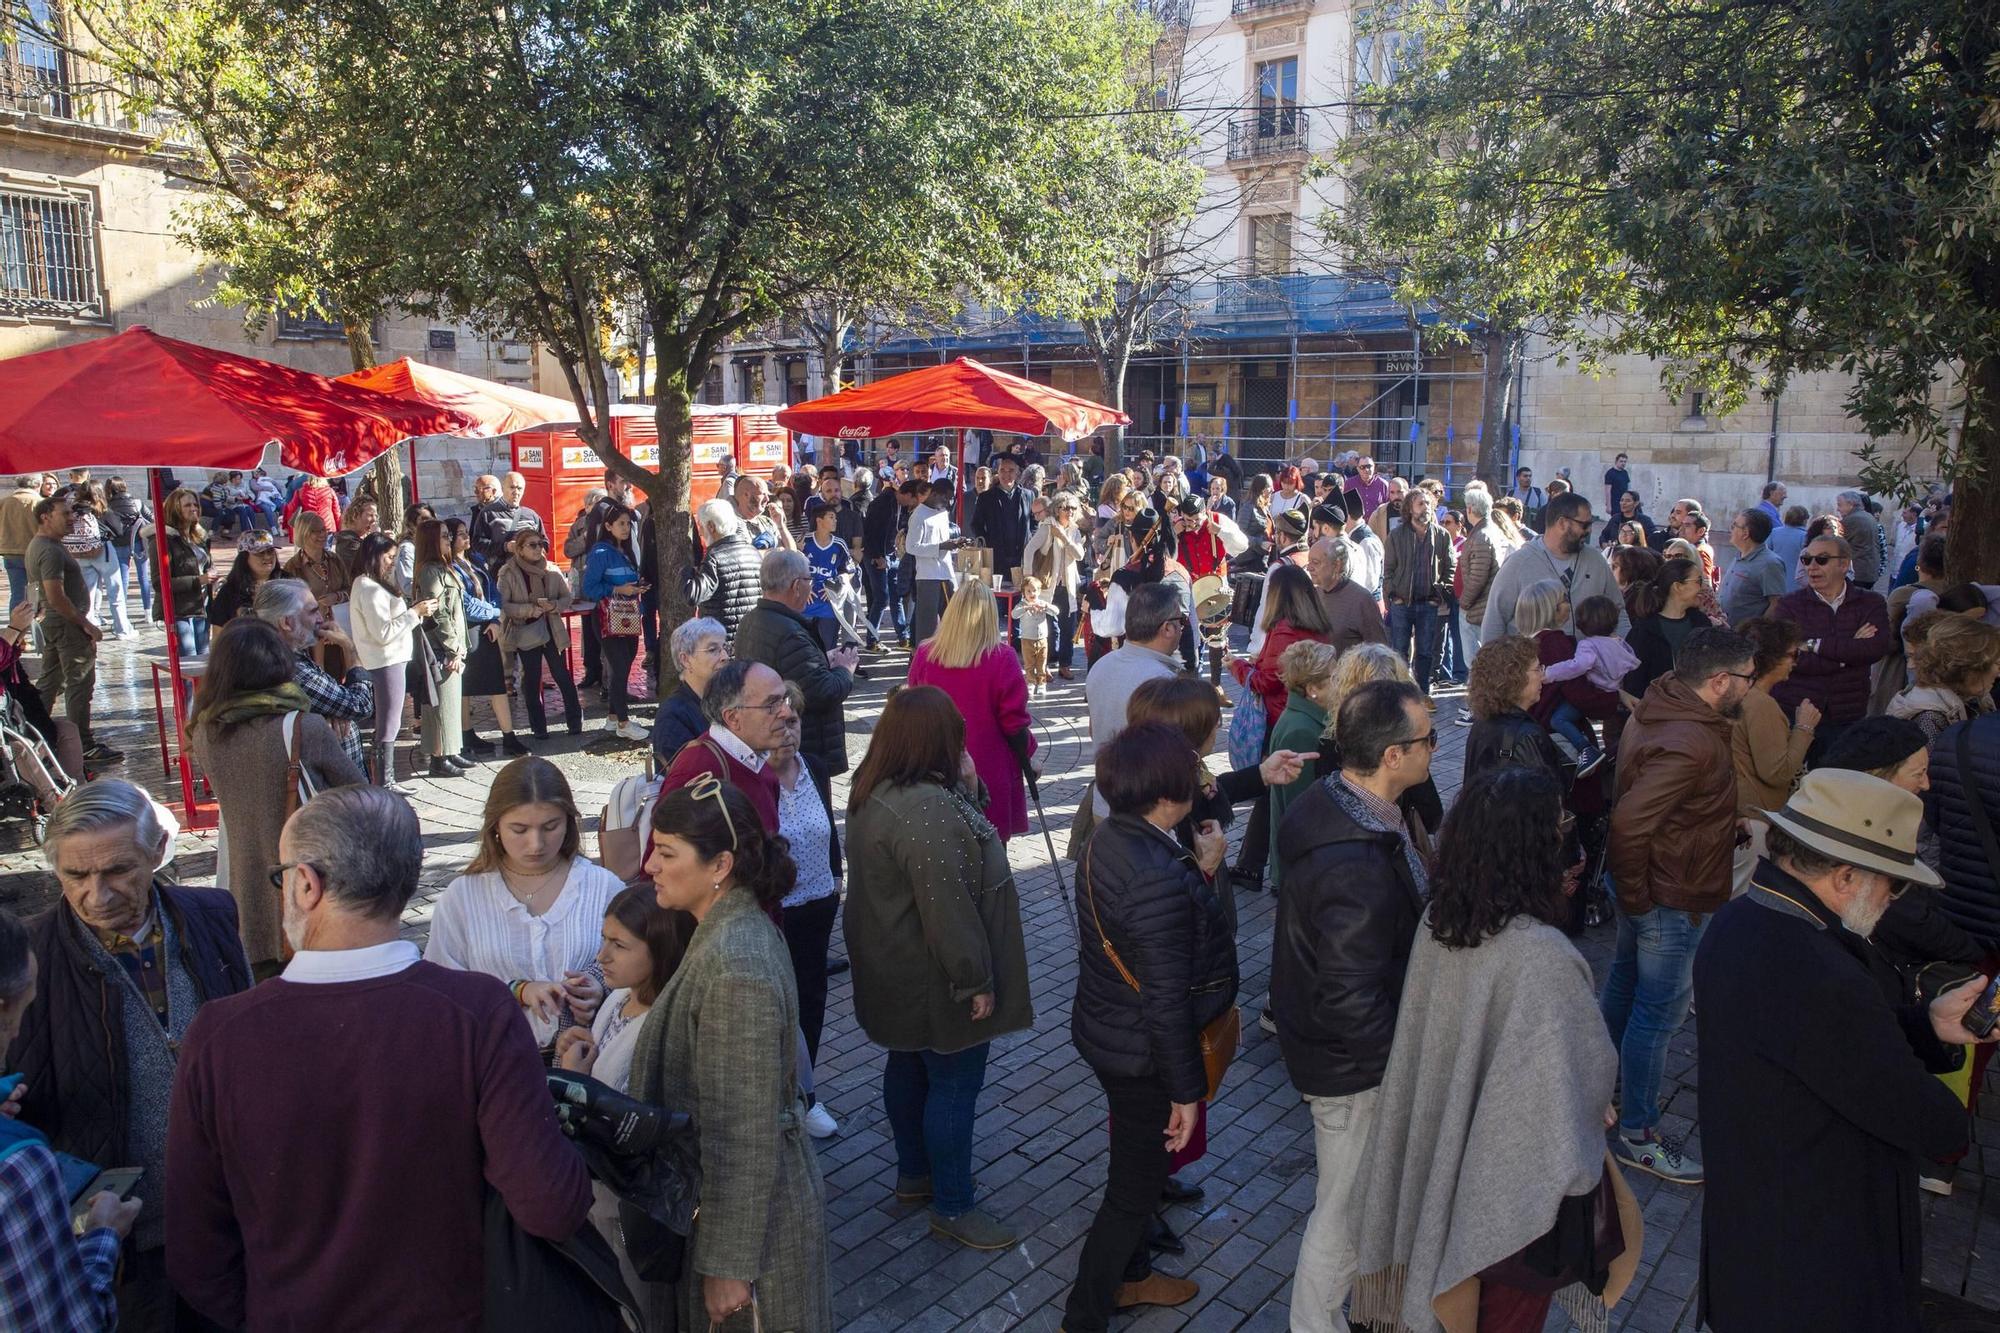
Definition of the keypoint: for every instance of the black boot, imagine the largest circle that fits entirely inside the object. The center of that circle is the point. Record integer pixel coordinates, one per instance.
(457, 762)
(510, 745)
(1161, 1238)
(441, 767)
(474, 743)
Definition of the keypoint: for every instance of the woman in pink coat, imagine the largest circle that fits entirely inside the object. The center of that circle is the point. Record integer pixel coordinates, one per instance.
(969, 661)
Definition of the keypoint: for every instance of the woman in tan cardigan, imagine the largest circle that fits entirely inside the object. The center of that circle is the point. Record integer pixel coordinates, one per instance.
(244, 706)
(1768, 752)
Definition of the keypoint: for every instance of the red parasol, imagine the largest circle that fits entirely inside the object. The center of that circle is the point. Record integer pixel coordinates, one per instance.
(137, 399)
(960, 394)
(500, 409)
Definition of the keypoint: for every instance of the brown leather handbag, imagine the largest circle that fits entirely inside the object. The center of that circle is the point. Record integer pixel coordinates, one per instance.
(1223, 1035)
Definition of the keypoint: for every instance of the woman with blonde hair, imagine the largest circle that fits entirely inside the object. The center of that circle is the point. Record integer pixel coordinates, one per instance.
(313, 562)
(1954, 660)
(530, 907)
(1357, 667)
(1308, 668)
(973, 665)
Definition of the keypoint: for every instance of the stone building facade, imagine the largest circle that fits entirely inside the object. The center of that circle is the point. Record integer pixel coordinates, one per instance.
(1286, 353)
(87, 249)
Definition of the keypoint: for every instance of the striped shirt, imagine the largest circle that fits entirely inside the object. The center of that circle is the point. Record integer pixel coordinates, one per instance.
(480, 926)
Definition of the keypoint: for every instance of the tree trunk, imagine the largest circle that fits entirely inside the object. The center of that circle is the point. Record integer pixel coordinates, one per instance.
(1113, 354)
(1972, 547)
(1503, 353)
(386, 473)
(673, 527)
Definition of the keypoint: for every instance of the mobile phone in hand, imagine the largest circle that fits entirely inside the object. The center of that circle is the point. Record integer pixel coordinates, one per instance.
(1984, 1014)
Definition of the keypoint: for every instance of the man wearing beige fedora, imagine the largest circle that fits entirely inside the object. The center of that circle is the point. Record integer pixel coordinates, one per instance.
(1818, 1072)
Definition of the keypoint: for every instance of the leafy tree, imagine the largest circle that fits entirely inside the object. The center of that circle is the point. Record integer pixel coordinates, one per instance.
(1157, 226)
(706, 165)
(1753, 189)
(237, 97)
(1470, 205)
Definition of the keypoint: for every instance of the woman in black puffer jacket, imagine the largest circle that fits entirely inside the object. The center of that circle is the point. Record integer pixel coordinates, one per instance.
(1504, 732)
(1144, 897)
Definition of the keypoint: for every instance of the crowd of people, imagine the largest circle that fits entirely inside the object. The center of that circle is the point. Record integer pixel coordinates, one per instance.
(1768, 777)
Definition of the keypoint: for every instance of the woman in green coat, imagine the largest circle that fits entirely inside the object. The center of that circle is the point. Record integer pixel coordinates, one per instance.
(440, 712)
(933, 928)
(721, 1043)
(1307, 670)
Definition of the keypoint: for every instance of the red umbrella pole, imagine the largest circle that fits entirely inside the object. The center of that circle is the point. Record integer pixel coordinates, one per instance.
(165, 588)
(958, 479)
(415, 497)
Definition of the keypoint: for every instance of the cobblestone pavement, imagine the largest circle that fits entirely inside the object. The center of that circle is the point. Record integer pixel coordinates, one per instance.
(1040, 1141)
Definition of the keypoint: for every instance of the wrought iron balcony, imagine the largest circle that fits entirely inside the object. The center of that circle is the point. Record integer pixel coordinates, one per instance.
(39, 89)
(40, 80)
(1273, 133)
(1256, 9)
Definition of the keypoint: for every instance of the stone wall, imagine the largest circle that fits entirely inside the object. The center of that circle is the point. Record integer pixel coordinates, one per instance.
(1573, 420)
(148, 277)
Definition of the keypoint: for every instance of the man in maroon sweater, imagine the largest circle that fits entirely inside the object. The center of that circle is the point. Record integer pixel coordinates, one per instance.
(334, 1129)
(748, 713)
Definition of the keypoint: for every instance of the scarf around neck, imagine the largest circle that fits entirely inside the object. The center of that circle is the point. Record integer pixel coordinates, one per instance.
(286, 698)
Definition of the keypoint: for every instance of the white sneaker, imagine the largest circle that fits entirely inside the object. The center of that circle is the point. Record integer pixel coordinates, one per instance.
(632, 731)
(820, 1122)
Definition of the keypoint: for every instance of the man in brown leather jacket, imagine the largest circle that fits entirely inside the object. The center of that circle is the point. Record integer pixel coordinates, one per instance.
(1672, 849)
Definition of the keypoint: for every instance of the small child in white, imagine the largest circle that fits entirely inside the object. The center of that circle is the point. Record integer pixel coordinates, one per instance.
(1031, 614)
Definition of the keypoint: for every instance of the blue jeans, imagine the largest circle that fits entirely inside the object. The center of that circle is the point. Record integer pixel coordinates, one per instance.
(931, 1099)
(1569, 723)
(142, 575)
(193, 636)
(111, 579)
(1418, 619)
(17, 582)
(1454, 648)
(1645, 1001)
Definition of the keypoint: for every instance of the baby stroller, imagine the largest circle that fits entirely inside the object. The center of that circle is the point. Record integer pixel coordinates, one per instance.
(32, 780)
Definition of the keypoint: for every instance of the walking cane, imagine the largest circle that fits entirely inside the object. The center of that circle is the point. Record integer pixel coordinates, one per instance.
(1041, 817)
(1054, 860)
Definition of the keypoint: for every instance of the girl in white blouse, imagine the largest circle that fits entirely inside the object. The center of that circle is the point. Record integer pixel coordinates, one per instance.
(530, 909)
(380, 623)
(643, 944)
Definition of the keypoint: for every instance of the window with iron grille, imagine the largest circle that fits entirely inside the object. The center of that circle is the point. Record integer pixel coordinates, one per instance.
(48, 256)
(310, 326)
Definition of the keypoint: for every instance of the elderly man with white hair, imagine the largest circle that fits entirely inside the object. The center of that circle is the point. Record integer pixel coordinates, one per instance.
(498, 518)
(1859, 526)
(776, 634)
(123, 961)
(290, 605)
(723, 585)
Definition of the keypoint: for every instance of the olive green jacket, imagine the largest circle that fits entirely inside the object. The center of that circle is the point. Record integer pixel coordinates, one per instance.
(932, 920)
